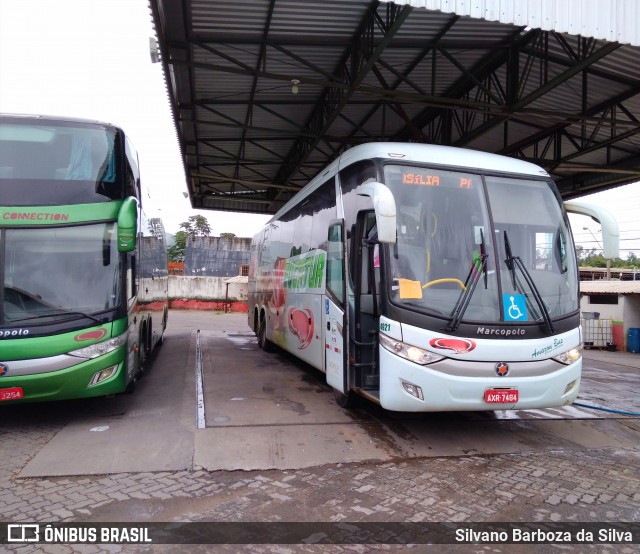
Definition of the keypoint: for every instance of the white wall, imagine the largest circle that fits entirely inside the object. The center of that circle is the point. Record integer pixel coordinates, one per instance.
(607, 311)
(631, 313)
(627, 310)
(205, 288)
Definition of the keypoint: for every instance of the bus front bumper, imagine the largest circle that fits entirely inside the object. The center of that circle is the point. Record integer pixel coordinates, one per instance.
(402, 383)
(70, 382)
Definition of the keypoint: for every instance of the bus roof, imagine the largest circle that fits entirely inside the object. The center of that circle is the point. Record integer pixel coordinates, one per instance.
(419, 153)
(440, 155)
(53, 119)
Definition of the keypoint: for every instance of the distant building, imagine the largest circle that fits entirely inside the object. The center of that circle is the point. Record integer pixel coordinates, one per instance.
(217, 256)
(621, 274)
(614, 304)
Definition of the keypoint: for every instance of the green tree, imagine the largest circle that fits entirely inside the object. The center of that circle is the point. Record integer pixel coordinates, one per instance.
(195, 226)
(175, 252)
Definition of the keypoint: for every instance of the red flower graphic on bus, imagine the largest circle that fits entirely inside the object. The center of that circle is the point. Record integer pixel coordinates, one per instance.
(301, 325)
(459, 346)
(91, 335)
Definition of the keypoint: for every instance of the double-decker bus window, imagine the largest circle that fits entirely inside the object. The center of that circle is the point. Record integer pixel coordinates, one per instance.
(36, 156)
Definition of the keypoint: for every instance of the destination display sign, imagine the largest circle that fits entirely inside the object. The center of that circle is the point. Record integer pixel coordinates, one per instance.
(430, 178)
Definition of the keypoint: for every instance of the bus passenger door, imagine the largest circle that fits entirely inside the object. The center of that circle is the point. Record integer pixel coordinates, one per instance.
(335, 324)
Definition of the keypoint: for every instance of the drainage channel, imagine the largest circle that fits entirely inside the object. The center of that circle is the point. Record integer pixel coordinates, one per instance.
(200, 421)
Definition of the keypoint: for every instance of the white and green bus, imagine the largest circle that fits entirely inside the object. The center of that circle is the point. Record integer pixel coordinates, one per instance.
(427, 278)
(83, 273)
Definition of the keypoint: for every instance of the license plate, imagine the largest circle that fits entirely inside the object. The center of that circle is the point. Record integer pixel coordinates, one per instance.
(14, 393)
(501, 396)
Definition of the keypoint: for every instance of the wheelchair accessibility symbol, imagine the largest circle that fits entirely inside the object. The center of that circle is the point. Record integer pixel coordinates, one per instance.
(515, 307)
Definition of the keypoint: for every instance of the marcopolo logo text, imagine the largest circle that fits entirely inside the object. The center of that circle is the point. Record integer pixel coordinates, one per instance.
(11, 333)
(501, 332)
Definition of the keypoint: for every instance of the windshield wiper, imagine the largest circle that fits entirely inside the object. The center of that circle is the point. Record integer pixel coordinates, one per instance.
(75, 313)
(478, 267)
(515, 261)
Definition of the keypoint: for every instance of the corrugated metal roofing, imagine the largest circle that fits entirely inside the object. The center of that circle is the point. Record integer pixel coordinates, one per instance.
(367, 70)
(611, 20)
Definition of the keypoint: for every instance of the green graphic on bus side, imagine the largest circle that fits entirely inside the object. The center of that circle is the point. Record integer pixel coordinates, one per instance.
(305, 272)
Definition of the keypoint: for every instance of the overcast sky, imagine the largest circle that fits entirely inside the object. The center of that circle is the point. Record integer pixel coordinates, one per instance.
(90, 58)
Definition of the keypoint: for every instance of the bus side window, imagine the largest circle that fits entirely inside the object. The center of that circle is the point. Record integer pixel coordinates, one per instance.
(132, 287)
(130, 182)
(132, 177)
(335, 260)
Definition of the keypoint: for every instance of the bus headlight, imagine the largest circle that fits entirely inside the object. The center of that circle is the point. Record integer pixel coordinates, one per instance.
(413, 390)
(570, 356)
(408, 351)
(103, 375)
(100, 348)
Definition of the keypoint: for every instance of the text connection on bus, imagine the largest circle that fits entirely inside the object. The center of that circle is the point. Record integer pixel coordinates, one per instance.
(426, 278)
(83, 272)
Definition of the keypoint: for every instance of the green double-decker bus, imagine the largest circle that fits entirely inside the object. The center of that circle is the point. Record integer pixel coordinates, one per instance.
(83, 271)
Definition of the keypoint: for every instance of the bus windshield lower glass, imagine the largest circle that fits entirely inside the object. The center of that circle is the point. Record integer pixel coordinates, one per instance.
(59, 273)
(450, 261)
(55, 163)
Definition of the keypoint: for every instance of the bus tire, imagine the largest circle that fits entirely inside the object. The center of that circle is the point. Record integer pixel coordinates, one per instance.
(263, 341)
(346, 401)
(148, 343)
(142, 351)
(131, 387)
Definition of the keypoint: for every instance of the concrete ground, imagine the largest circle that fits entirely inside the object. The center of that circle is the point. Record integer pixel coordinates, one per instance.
(580, 465)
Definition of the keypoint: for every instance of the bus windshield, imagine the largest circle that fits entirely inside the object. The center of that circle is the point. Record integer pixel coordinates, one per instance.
(56, 163)
(500, 247)
(59, 273)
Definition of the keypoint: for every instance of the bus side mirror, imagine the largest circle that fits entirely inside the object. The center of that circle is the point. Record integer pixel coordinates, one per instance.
(610, 232)
(384, 205)
(127, 225)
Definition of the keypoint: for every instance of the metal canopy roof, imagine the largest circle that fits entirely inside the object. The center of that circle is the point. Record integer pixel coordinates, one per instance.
(265, 93)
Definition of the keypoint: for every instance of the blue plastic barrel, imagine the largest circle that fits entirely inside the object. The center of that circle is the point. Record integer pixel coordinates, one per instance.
(633, 340)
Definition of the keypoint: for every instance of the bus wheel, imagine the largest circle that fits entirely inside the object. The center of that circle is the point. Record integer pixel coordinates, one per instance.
(263, 341)
(142, 357)
(346, 401)
(131, 387)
